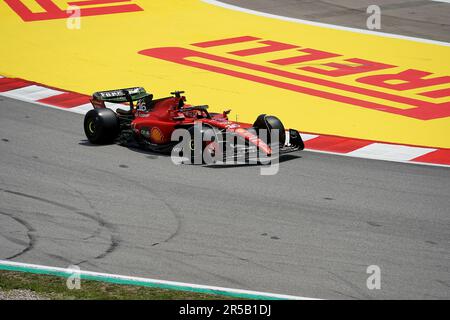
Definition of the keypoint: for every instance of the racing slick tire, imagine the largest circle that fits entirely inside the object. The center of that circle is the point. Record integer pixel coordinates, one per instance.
(101, 126)
(269, 123)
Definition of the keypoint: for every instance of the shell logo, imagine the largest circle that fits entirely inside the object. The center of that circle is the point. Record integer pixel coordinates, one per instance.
(156, 136)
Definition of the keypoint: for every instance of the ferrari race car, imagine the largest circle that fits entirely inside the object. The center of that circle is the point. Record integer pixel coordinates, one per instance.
(169, 125)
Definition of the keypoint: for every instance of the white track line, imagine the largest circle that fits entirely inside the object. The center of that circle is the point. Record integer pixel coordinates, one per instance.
(83, 109)
(114, 278)
(306, 136)
(386, 151)
(31, 93)
(324, 25)
(445, 1)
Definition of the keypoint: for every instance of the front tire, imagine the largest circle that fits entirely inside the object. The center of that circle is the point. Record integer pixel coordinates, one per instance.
(269, 123)
(101, 126)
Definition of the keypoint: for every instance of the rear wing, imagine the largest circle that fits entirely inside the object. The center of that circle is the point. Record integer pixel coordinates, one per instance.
(118, 96)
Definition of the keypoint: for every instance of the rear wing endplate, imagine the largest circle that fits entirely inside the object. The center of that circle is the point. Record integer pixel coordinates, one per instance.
(120, 95)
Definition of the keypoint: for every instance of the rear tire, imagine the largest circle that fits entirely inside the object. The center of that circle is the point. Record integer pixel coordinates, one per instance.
(101, 126)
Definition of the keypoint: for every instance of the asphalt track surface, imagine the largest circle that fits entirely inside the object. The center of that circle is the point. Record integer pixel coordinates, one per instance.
(416, 18)
(311, 230)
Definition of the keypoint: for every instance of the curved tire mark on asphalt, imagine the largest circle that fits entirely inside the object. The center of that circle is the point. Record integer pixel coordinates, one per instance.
(101, 222)
(173, 211)
(115, 239)
(351, 286)
(32, 239)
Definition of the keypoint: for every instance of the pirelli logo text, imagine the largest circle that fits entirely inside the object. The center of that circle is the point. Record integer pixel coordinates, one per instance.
(374, 85)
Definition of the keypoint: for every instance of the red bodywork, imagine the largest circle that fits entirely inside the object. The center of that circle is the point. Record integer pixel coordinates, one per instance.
(157, 124)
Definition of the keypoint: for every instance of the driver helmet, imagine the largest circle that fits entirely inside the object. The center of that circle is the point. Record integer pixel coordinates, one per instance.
(193, 113)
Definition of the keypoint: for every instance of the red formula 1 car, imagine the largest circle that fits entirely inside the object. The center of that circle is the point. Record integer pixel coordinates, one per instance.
(151, 123)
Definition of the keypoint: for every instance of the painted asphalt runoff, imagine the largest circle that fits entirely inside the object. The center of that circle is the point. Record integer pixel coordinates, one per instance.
(415, 18)
(311, 230)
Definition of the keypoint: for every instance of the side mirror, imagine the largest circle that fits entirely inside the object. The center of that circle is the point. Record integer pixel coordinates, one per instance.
(226, 112)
